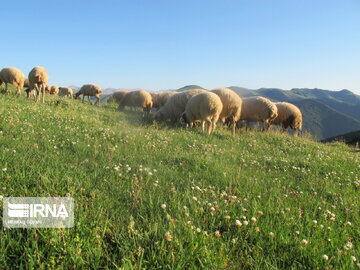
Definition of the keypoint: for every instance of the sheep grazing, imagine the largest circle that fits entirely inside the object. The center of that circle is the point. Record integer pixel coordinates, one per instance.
(38, 78)
(52, 90)
(12, 76)
(232, 104)
(205, 107)
(65, 92)
(89, 90)
(175, 106)
(139, 98)
(288, 116)
(258, 109)
(159, 99)
(118, 96)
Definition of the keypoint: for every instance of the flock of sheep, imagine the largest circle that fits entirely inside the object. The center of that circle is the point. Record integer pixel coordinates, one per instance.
(207, 107)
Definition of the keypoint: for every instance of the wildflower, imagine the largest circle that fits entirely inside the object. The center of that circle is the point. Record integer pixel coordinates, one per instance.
(238, 223)
(253, 219)
(304, 242)
(1, 197)
(36, 145)
(325, 257)
(4, 169)
(257, 229)
(246, 222)
(188, 223)
(314, 222)
(163, 206)
(194, 198)
(260, 213)
(271, 234)
(198, 230)
(168, 237)
(353, 258)
(287, 209)
(212, 209)
(217, 234)
(348, 223)
(227, 218)
(348, 246)
(234, 241)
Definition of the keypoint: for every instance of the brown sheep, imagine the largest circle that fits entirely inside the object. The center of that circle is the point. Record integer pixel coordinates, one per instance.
(232, 105)
(139, 98)
(118, 96)
(289, 115)
(38, 78)
(89, 90)
(13, 76)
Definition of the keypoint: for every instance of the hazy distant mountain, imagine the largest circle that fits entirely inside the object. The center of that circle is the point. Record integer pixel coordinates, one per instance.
(189, 87)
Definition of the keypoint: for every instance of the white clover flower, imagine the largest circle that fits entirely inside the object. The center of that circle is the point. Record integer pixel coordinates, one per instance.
(217, 234)
(325, 257)
(238, 223)
(315, 222)
(348, 223)
(163, 206)
(227, 217)
(253, 219)
(198, 230)
(246, 222)
(212, 209)
(1, 197)
(304, 242)
(194, 198)
(4, 169)
(271, 234)
(353, 258)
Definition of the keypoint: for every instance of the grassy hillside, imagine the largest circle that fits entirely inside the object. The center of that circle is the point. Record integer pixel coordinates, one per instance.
(138, 185)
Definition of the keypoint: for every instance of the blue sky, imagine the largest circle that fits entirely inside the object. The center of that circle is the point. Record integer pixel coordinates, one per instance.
(163, 44)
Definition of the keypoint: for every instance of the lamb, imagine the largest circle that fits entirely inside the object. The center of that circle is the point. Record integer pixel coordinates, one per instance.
(65, 92)
(13, 76)
(232, 104)
(89, 90)
(118, 96)
(175, 106)
(159, 99)
(138, 98)
(38, 78)
(288, 116)
(205, 107)
(258, 109)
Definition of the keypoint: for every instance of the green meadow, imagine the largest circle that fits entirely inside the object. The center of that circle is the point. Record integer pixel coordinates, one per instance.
(152, 196)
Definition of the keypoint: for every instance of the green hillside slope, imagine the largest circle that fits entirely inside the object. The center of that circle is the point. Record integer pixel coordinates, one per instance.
(149, 196)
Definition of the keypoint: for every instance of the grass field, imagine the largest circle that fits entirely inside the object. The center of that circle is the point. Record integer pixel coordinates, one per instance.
(148, 196)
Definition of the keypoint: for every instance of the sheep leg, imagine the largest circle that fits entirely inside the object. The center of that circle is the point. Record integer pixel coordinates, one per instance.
(296, 132)
(203, 126)
(43, 93)
(19, 90)
(210, 126)
(83, 98)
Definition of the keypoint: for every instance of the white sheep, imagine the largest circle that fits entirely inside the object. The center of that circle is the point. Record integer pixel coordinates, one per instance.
(159, 99)
(289, 115)
(232, 105)
(175, 106)
(13, 76)
(204, 107)
(138, 98)
(258, 109)
(118, 96)
(65, 92)
(89, 90)
(38, 78)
